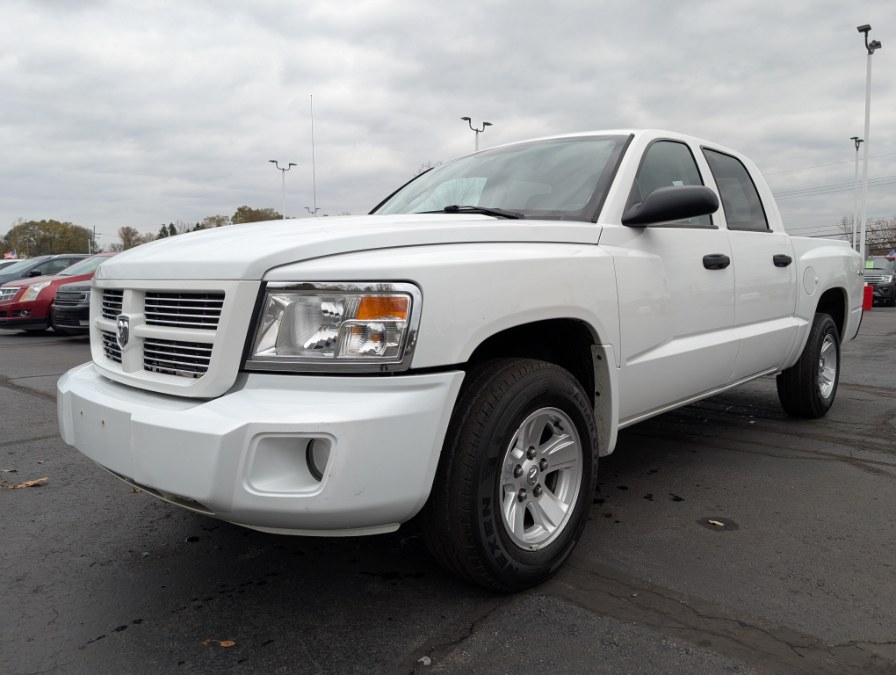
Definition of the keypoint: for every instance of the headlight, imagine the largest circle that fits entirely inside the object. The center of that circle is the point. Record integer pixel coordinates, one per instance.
(34, 290)
(887, 279)
(335, 326)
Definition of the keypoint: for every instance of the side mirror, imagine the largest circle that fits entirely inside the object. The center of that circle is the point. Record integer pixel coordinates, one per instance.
(674, 202)
(35, 273)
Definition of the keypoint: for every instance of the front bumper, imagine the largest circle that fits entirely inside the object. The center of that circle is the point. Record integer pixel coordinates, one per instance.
(29, 314)
(12, 323)
(242, 457)
(884, 291)
(72, 319)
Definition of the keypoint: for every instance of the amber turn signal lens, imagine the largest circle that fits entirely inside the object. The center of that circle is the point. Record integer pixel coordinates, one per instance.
(381, 307)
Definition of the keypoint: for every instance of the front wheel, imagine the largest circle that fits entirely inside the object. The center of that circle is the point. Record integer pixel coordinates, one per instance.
(516, 477)
(807, 388)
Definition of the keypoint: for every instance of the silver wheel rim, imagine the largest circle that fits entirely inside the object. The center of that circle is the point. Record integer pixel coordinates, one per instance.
(541, 475)
(827, 366)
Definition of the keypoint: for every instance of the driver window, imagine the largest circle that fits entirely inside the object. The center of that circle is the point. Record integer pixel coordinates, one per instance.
(667, 163)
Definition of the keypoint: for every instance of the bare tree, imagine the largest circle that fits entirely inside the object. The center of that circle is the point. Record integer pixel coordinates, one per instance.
(880, 234)
(131, 237)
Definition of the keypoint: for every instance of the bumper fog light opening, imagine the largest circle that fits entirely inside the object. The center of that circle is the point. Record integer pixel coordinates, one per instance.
(317, 454)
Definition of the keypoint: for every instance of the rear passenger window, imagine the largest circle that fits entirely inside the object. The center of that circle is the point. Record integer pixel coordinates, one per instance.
(740, 200)
(667, 163)
(57, 265)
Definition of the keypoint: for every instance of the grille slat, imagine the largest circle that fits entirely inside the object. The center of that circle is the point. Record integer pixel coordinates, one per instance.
(110, 346)
(174, 357)
(184, 310)
(112, 300)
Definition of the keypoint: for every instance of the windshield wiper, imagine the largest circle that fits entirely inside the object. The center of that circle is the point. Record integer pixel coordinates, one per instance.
(485, 210)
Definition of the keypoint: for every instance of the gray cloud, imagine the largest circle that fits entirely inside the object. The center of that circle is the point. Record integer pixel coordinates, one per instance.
(136, 115)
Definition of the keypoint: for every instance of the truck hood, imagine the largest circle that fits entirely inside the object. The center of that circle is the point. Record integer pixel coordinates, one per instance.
(248, 251)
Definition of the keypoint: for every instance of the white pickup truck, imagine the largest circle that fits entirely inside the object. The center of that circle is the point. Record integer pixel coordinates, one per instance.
(463, 354)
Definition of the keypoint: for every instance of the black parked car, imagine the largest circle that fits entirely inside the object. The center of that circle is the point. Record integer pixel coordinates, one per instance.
(71, 308)
(880, 274)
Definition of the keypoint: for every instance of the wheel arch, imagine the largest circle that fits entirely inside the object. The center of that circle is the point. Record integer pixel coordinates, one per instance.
(573, 345)
(834, 302)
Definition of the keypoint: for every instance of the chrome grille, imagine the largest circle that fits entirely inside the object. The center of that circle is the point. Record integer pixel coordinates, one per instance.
(8, 293)
(875, 279)
(112, 299)
(183, 310)
(176, 338)
(66, 297)
(173, 357)
(110, 346)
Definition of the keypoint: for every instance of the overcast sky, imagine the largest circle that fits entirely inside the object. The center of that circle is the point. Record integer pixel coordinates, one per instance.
(126, 113)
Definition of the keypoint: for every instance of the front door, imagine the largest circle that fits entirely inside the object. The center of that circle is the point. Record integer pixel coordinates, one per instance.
(676, 296)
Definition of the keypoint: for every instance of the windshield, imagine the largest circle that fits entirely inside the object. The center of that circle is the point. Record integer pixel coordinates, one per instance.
(880, 263)
(85, 266)
(561, 178)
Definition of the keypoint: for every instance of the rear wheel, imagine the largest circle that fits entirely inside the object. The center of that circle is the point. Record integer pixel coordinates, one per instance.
(516, 477)
(807, 389)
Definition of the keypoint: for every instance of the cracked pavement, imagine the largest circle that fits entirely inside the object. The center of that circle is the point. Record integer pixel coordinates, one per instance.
(795, 573)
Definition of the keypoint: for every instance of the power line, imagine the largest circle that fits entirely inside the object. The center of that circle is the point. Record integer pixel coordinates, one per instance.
(817, 166)
(828, 189)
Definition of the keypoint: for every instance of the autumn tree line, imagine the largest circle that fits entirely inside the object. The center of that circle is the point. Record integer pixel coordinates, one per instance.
(44, 237)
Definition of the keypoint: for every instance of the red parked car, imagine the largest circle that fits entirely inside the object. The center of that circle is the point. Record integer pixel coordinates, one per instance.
(25, 303)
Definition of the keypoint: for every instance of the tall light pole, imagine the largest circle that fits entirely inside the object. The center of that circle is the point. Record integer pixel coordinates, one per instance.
(478, 131)
(871, 47)
(283, 181)
(313, 164)
(855, 201)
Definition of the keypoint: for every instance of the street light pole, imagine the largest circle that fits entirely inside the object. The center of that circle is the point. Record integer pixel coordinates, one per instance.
(478, 131)
(855, 201)
(871, 47)
(283, 182)
(313, 163)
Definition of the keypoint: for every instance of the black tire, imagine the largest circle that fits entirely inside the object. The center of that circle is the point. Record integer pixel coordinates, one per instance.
(484, 467)
(807, 389)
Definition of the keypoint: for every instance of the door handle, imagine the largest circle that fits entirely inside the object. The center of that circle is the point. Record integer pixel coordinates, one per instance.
(782, 260)
(716, 261)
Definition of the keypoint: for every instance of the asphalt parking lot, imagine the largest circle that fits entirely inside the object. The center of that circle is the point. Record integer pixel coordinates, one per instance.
(724, 537)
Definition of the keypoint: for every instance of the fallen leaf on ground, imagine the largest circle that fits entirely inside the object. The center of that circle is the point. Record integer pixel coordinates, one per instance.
(718, 523)
(37, 482)
(220, 643)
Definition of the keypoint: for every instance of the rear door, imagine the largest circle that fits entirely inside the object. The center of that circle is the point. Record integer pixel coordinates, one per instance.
(764, 281)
